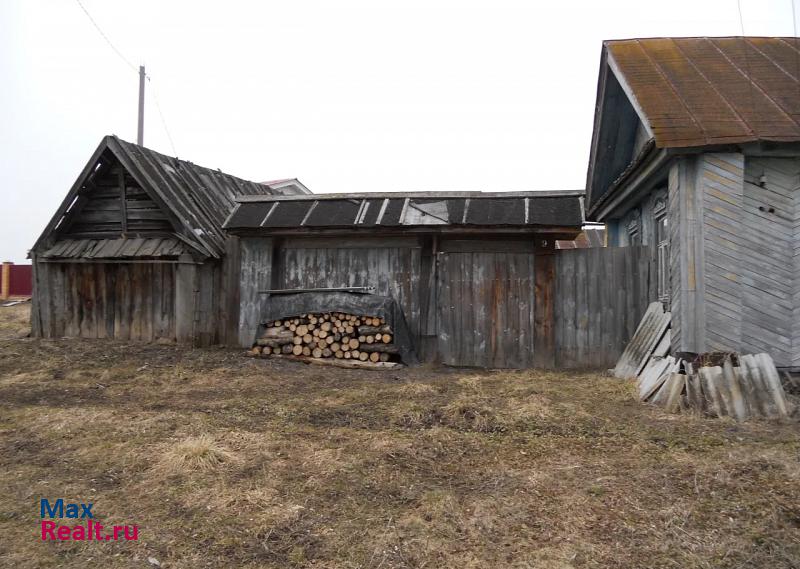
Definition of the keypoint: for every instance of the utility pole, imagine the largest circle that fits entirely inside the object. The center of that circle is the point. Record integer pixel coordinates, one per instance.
(140, 131)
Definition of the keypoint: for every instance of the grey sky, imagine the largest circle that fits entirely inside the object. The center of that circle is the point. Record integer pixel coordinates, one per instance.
(347, 96)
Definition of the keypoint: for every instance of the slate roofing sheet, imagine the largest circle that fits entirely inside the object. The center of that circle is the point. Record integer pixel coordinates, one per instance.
(393, 210)
(707, 91)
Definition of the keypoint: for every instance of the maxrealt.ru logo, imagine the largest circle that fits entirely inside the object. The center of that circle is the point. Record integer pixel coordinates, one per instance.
(90, 530)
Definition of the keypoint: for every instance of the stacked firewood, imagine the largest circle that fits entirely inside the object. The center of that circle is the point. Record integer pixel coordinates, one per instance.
(328, 335)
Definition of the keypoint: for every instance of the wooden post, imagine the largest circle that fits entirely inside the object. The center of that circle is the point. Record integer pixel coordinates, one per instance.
(5, 282)
(140, 123)
(544, 351)
(256, 254)
(185, 298)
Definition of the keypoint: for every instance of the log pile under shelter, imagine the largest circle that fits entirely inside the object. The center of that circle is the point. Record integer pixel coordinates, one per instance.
(349, 340)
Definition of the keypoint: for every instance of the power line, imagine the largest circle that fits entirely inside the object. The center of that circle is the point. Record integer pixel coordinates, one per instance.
(133, 67)
(161, 115)
(105, 37)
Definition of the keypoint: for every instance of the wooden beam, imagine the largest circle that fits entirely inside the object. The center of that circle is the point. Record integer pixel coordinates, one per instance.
(544, 346)
(123, 201)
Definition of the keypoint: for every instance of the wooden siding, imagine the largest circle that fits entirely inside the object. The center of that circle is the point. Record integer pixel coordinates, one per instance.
(796, 265)
(767, 257)
(734, 239)
(724, 249)
(256, 275)
(391, 266)
(100, 300)
(104, 212)
(486, 309)
(601, 295)
(676, 249)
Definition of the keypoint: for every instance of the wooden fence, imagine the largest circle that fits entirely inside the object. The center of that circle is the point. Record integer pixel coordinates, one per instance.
(600, 296)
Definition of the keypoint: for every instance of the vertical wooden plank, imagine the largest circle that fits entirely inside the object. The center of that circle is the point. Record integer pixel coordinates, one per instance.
(39, 299)
(594, 307)
(122, 315)
(443, 309)
(185, 300)
(101, 300)
(544, 298)
(255, 275)
(567, 307)
(110, 275)
(147, 302)
(581, 308)
(57, 305)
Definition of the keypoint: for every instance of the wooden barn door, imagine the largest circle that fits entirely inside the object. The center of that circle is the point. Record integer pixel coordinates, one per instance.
(485, 304)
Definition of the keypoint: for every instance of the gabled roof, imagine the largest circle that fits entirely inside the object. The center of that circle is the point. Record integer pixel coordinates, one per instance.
(197, 199)
(660, 96)
(410, 209)
(694, 92)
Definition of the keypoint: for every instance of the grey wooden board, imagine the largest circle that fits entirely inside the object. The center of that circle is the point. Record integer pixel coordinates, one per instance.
(486, 309)
(654, 374)
(663, 347)
(600, 295)
(106, 300)
(649, 332)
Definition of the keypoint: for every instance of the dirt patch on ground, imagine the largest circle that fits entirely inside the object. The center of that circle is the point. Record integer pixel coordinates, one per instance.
(225, 461)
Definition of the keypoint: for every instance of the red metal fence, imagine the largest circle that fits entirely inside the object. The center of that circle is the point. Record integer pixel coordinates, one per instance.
(16, 280)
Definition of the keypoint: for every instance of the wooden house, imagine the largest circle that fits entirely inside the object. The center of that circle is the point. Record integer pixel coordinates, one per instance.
(136, 250)
(472, 272)
(696, 152)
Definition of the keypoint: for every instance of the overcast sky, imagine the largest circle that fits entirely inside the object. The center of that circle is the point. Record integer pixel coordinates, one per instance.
(347, 96)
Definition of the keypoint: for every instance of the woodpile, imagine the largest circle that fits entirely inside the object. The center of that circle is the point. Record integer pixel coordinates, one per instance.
(329, 336)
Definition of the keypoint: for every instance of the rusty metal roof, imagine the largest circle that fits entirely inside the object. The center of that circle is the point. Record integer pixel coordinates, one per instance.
(561, 209)
(709, 91)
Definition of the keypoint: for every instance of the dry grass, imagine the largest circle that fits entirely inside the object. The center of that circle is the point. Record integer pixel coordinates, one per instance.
(194, 453)
(225, 461)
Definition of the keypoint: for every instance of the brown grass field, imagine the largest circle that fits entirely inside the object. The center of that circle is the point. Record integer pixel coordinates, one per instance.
(225, 461)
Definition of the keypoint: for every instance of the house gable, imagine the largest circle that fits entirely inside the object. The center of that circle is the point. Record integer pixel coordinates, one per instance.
(112, 204)
(618, 138)
(163, 197)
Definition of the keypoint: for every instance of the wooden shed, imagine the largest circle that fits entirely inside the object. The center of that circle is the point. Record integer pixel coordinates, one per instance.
(137, 251)
(473, 272)
(696, 152)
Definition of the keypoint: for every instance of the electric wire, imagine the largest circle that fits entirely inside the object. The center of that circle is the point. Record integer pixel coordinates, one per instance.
(133, 67)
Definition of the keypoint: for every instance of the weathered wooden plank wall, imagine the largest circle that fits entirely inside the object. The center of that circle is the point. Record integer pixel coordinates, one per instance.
(601, 295)
(256, 275)
(392, 266)
(486, 305)
(735, 276)
(766, 257)
(105, 300)
(721, 193)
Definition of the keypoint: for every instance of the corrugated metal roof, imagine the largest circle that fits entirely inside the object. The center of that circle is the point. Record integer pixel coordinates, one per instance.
(709, 91)
(409, 209)
(116, 248)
